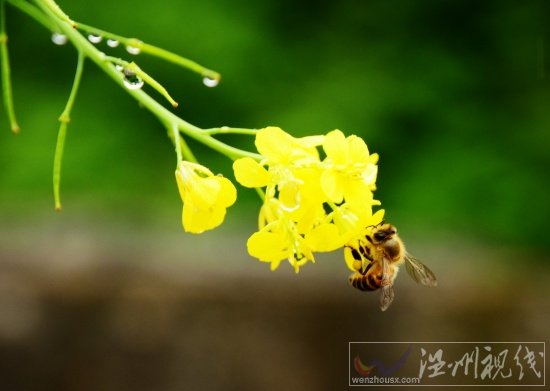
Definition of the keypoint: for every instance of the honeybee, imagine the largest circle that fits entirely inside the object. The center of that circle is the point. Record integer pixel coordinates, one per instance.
(376, 258)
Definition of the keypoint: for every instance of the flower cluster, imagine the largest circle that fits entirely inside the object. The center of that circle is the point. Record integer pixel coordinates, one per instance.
(317, 191)
(311, 204)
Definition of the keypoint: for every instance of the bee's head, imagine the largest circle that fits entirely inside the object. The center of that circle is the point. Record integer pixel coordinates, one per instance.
(383, 232)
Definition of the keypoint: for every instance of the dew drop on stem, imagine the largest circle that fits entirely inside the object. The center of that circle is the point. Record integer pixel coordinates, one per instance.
(133, 50)
(134, 84)
(94, 38)
(112, 43)
(59, 39)
(131, 80)
(210, 82)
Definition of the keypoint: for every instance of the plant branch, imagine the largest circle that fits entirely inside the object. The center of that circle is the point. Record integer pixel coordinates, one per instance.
(64, 118)
(228, 130)
(6, 71)
(34, 13)
(146, 100)
(154, 51)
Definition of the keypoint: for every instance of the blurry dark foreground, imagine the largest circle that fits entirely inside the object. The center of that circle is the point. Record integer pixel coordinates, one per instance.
(85, 310)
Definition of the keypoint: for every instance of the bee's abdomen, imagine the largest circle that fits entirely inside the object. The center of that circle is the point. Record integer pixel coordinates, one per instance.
(367, 282)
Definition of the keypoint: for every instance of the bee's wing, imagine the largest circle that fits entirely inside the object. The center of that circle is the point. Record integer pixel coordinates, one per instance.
(419, 272)
(387, 294)
(386, 297)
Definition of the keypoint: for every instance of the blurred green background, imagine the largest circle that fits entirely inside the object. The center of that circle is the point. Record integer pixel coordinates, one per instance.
(452, 95)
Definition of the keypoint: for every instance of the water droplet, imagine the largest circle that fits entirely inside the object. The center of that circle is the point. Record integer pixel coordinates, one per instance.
(112, 43)
(131, 81)
(59, 39)
(134, 84)
(210, 82)
(119, 67)
(94, 38)
(129, 73)
(133, 49)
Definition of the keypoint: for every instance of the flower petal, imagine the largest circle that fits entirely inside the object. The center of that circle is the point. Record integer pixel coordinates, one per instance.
(325, 237)
(227, 194)
(289, 195)
(336, 148)
(250, 173)
(199, 220)
(358, 151)
(204, 193)
(267, 246)
(331, 184)
(274, 143)
(358, 194)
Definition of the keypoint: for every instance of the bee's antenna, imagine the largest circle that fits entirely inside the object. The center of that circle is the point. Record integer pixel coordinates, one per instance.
(376, 225)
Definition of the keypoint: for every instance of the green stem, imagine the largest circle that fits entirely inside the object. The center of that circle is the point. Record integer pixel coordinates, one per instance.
(228, 130)
(177, 141)
(154, 51)
(6, 71)
(58, 12)
(57, 162)
(64, 118)
(182, 148)
(34, 13)
(261, 193)
(179, 60)
(147, 101)
(134, 68)
(189, 156)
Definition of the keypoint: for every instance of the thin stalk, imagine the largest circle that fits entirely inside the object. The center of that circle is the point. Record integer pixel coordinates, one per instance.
(189, 156)
(260, 192)
(182, 148)
(134, 68)
(58, 12)
(34, 13)
(228, 130)
(154, 51)
(177, 142)
(64, 118)
(6, 71)
(163, 114)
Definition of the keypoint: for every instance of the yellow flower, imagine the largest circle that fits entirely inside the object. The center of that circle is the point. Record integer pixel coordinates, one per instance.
(310, 205)
(285, 159)
(205, 197)
(278, 238)
(350, 172)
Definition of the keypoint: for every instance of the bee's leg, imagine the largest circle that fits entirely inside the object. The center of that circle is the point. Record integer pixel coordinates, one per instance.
(366, 253)
(354, 258)
(375, 273)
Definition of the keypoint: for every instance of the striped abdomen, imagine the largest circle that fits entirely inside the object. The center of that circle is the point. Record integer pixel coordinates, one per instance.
(370, 281)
